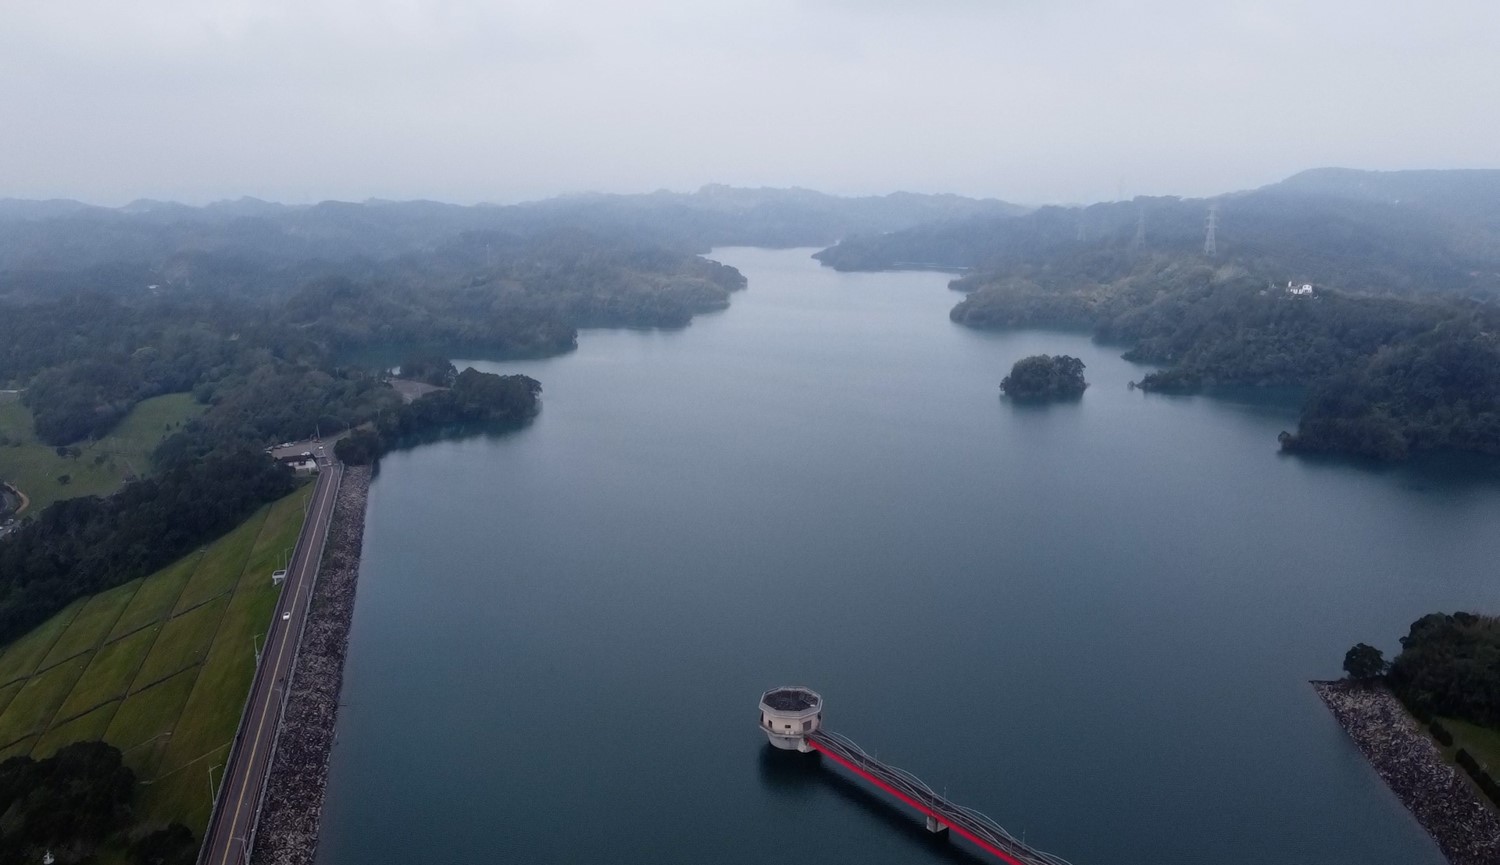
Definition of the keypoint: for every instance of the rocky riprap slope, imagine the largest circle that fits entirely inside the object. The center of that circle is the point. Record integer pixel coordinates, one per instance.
(293, 805)
(1442, 800)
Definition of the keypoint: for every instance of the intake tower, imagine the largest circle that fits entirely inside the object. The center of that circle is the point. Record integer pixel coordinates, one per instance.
(788, 714)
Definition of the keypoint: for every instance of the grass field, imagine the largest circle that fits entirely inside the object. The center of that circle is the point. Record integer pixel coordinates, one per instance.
(24, 656)
(1482, 742)
(92, 624)
(108, 676)
(158, 667)
(34, 467)
(9, 691)
(156, 597)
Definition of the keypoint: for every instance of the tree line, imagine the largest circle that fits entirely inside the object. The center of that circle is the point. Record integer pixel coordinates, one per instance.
(1394, 347)
(1448, 667)
(75, 803)
(87, 356)
(499, 401)
(77, 547)
(1383, 376)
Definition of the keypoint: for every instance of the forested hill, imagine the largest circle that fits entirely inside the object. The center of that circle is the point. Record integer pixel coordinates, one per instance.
(1390, 323)
(1371, 232)
(1394, 337)
(86, 356)
(164, 242)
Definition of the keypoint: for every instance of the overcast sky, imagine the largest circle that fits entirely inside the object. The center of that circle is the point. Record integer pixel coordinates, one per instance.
(502, 100)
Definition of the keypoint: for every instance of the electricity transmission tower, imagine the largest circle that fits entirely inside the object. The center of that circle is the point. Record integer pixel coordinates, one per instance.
(1210, 242)
(1140, 231)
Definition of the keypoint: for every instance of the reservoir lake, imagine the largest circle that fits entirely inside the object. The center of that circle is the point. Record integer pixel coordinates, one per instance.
(1094, 621)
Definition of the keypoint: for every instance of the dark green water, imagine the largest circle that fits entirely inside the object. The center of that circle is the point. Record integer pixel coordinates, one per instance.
(1093, 621)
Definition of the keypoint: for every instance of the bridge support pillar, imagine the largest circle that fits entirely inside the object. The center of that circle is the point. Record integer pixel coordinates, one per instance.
(936, 826)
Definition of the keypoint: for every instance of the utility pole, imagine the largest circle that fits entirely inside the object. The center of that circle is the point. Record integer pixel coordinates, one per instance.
(1210, 242)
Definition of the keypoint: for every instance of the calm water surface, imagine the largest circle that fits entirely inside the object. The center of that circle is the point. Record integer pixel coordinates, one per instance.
(1093, 621)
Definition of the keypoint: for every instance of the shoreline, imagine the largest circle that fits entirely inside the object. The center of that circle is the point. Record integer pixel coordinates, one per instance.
(1436, 793)
(287, 833)
(22, 498)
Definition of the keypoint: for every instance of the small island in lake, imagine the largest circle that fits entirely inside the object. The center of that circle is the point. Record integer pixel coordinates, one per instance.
(1043, 376)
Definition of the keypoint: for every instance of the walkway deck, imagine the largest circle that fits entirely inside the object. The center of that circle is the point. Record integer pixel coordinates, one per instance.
(972, 825)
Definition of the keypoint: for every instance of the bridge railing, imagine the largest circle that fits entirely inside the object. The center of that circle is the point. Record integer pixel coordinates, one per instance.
(970, 822)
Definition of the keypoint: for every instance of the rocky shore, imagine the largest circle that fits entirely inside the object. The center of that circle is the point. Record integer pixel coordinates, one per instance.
(293, 807)
(1437, 794)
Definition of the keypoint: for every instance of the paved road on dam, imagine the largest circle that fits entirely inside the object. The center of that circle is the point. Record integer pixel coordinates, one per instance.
(227, 840)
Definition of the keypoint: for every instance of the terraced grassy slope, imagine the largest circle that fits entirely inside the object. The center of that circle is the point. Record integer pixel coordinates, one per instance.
(158, 667)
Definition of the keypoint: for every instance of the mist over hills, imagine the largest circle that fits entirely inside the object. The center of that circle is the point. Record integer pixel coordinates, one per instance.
(41, 236)
(1400, 232)
(1396, 347)
(1393, 341)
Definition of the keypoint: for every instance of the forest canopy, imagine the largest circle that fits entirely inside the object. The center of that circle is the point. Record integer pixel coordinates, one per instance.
(1449, 665)
(1043, 376)
(502, 401)
(1374, 293)
(72, 803)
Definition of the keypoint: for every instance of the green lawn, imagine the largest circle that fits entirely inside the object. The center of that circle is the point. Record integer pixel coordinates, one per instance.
(22, 657)
(218, 694)
(109, 675)
(17, 749)
(156, 597)
(35, 468)
(32, 710)
(145, 721)
(1482, 742)
(182, 642)
(7, 692)
(219, 571)
(88, 727)
(159, 667)
(87, 631)
(132, 441)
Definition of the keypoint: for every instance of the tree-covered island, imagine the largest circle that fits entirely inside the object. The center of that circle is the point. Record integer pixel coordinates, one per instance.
(1044, 377)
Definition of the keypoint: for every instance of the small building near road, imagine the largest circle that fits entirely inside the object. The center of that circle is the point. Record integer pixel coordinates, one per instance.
(302, 464)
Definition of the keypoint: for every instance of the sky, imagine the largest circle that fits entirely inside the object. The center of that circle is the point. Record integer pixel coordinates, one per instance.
(1033, 101)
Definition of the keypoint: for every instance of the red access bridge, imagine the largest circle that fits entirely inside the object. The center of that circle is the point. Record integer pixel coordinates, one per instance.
(941, 814)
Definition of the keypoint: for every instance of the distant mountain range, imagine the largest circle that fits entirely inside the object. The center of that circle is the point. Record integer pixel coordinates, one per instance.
(1402, 231)
(62, 234)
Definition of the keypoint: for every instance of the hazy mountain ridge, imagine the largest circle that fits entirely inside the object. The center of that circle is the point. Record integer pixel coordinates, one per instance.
(69, 235)
(1393, 340)
(1403, 232)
